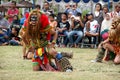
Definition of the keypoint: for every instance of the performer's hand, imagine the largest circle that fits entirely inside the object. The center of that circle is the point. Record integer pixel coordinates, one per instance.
(51, 45)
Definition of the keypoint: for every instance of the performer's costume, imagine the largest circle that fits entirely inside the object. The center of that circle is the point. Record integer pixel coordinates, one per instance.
(113, 40)
(41, 42)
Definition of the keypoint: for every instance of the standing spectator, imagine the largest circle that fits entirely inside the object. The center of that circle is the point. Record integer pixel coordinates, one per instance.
(63, 27)
(12, 11)
(67, 8)
(98, 14)
(105, 10)
(116, 12)
(38, 7)
(46, 7)
(75, 9)
(77, 29)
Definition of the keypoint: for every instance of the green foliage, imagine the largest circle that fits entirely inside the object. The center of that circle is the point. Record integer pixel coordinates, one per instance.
(84, 12)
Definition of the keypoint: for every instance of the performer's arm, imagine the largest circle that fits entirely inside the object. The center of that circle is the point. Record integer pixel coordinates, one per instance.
(54, 33)
(105, 41)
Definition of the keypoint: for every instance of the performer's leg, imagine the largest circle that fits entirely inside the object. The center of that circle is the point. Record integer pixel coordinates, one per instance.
(109, 47)
(24, 51)
(67, 54)
(30, 55)
(100, 55)
(62, 61)
(117, 59)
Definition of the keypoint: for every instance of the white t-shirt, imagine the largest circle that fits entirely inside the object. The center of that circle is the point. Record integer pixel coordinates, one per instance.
(93, 27)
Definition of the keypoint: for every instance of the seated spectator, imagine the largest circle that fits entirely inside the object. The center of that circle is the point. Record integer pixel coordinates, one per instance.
(16, 22)
(4, 24)
(77, 29)
(91, 29)
(53, 23)
(14, 39)
(22, 20)
(69, 17)
(3, 38)
(106, 25)
(63, 28)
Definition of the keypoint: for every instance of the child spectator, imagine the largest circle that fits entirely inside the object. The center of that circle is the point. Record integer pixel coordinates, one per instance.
(14, 39)
(52, 21)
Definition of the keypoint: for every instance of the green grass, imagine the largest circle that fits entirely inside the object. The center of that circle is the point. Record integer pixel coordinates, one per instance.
(13, 67)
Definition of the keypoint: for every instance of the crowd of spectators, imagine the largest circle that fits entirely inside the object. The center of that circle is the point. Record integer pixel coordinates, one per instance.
(70, 24)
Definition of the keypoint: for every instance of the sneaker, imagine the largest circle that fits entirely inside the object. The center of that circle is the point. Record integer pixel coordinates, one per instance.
(68, 70)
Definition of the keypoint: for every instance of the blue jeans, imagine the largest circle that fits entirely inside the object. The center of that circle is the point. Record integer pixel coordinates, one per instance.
(2, 38)
(65, 41)
(71, 36)
(13, 42)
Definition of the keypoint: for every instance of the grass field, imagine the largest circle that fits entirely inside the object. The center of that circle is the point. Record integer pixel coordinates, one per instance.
(13, 67)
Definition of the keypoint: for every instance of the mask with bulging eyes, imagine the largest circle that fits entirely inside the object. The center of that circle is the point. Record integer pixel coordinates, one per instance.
(33, 19)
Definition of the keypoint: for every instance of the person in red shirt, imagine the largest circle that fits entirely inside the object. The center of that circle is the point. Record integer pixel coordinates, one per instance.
(12, 11)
